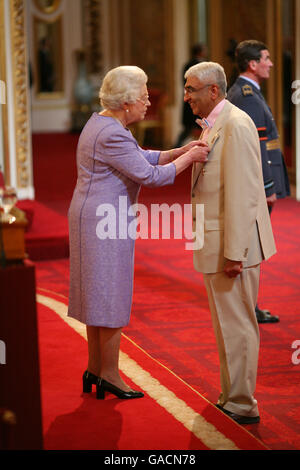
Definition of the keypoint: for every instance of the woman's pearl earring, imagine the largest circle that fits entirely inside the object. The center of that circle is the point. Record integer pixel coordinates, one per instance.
(127, 110)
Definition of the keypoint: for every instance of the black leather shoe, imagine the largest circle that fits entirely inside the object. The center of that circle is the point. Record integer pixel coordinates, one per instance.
(104, 386)
(264, 316)
(240, 419)
(88, 379)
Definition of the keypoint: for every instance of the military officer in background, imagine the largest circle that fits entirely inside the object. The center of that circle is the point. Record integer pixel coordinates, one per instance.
(254, 65)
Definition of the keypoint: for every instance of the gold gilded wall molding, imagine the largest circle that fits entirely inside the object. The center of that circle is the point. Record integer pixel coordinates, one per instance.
(20, 80)
(4, 107)
(92, 30)
(215, 20)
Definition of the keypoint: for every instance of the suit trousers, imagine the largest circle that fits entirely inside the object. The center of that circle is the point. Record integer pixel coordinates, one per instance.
(232, 304)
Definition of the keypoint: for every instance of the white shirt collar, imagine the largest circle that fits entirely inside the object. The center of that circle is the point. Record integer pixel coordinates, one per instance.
(251, 81)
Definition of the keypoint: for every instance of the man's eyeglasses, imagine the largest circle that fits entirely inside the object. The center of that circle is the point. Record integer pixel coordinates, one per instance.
(189, 89)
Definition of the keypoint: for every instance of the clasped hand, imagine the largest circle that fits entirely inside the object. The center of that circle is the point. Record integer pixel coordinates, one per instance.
(233, 268)
(198, 150)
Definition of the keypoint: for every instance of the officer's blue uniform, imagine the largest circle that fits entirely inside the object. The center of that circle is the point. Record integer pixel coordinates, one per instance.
(248, 97)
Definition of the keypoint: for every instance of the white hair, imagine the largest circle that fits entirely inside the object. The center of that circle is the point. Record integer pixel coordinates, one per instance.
(122, 85)
(209, 72)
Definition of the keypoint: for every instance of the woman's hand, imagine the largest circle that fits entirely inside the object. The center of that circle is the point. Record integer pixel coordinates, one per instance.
(198, 152)
(190, 145)
(168, 156)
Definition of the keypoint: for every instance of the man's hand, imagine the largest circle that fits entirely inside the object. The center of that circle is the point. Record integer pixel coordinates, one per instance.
(233, 268)
(271, 199)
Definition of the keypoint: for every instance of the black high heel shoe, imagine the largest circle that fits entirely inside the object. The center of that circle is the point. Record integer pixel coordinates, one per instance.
(103, 386)
(88, 379)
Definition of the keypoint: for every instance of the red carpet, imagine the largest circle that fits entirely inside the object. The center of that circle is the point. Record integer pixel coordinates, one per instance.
(171, 322)
(73, 420)
(54, 167)
(47, 236)
(54, 172)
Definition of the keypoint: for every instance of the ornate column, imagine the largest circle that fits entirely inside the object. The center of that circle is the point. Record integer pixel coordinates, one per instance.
(4, 149)
(18, 170)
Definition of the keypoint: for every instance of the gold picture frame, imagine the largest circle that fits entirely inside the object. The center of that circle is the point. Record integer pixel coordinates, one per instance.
(47, 6)
(48, 64)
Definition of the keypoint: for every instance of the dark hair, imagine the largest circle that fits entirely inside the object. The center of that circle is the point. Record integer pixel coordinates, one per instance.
(248, 50)
(197, 49)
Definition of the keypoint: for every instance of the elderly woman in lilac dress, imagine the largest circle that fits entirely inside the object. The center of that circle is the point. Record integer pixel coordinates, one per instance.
(111, 168)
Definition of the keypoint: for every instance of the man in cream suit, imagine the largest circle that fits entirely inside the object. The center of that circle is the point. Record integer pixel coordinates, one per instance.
(237, 233)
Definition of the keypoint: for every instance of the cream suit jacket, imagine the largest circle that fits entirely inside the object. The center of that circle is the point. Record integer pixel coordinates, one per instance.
(230, 186)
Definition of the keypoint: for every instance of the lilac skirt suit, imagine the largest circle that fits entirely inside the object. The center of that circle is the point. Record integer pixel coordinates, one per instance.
(111, 169)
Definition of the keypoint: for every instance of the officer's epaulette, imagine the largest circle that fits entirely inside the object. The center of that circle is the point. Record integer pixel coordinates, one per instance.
(247, 90)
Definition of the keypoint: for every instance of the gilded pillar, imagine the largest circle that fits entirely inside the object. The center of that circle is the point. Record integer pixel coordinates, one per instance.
(20, 67)
(16, 111)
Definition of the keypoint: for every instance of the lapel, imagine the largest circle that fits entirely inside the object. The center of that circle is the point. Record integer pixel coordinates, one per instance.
(259, 93)
(213, 136)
